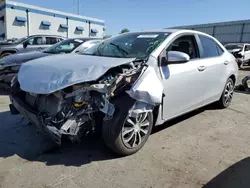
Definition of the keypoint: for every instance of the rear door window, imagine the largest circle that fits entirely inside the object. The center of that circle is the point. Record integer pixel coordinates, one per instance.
(51, 40)
(210, 47)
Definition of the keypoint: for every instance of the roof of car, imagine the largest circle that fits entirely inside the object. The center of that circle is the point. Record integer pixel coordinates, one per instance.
(46, 35)
(169, 31)
(84, 39)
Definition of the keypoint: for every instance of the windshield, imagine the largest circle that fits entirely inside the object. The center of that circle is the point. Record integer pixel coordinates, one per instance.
(129, 45)
(65, 46)
(233, 46)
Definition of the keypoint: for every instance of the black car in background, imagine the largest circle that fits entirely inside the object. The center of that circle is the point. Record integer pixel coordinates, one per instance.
(10, 65)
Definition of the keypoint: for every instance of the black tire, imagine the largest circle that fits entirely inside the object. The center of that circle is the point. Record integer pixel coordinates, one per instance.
(239, 65)
(112, 129)
(245, 83)
(222, 102)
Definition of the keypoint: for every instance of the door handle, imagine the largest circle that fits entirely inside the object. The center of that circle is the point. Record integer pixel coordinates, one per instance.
(226, 63)
(201, 68)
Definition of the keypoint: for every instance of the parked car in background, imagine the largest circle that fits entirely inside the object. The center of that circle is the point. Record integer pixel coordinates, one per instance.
(241, 51)
(10, 65)
(29, 43)
(7, 41)
(124, 86)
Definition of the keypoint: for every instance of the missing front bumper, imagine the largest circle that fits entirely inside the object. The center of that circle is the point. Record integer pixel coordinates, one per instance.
(18, 106)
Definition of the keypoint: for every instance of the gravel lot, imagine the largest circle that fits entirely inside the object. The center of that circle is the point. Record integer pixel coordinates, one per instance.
(207, 148)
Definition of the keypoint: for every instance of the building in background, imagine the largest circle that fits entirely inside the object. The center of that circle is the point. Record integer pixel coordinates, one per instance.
(225, 32)
(18, 20)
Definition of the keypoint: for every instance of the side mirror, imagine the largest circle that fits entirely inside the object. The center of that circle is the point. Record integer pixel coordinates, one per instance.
(175, 57)
(25, 45)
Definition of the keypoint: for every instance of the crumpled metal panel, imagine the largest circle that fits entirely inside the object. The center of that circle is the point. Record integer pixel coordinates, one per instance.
(49, 74)
(148, 88)
(140, 107)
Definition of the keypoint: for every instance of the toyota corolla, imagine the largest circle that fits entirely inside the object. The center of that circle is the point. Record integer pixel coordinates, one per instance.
(124, 86)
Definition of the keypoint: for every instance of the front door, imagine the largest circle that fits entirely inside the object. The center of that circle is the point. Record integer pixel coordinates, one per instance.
(183, 83)
(33, 44)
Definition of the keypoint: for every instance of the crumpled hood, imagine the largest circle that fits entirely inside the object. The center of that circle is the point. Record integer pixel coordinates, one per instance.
(49, 74)
(17, 59)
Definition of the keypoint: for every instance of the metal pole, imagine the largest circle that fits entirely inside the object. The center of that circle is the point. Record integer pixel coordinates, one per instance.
(78, 7)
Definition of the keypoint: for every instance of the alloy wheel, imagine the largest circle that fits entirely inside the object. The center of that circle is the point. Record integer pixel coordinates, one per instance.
(135, 130)
(228, 93)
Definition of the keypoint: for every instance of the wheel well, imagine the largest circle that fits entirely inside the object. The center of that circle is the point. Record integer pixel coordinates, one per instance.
(233, 78)
(8, 51)
(155, 114)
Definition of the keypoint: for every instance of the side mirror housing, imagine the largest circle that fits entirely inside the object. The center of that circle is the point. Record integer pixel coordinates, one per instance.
(175, 57)
(25, 44)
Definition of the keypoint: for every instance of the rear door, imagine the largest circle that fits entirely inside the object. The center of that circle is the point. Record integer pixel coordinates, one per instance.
(214, 65)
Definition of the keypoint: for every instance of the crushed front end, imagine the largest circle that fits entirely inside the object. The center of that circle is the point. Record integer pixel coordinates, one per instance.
(74, 111)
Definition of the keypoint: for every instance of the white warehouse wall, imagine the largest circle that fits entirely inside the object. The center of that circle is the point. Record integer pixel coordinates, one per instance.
(14, 29)
(36, 27)
(99, 28)
(72, 29)
(35, 15)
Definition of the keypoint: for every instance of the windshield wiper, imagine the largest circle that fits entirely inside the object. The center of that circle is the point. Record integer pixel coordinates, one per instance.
(119, 48)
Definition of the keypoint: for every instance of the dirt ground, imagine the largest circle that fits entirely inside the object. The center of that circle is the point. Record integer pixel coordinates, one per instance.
(207, 148)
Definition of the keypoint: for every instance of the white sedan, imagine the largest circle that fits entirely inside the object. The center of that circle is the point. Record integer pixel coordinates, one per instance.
(124, 86)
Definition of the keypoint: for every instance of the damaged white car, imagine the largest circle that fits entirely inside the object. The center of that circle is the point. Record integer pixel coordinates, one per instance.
(124, 86)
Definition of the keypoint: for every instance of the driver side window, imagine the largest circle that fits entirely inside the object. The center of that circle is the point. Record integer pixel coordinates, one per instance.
(35, 41)
(186, 44)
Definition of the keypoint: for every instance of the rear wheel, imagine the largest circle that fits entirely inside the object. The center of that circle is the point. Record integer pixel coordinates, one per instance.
(123, 133)
(227, 95)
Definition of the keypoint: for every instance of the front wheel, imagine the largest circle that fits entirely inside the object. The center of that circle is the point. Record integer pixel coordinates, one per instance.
(123, 133)
(227, 95)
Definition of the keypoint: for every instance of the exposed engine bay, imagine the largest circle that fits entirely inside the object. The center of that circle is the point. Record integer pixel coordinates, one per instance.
(74, 111)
